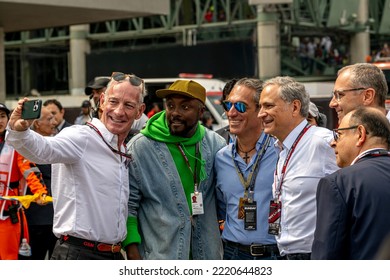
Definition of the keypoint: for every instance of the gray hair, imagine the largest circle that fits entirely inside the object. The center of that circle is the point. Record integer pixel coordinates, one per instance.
(367, 75)
(254, 84)
(290, 90)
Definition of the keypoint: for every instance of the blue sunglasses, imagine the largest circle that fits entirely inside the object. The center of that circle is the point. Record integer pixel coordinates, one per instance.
(240, 107)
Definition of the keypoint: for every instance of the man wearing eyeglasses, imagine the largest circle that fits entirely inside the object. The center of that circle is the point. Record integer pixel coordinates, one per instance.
(305, 156)
(245, 171)
(360, 84)
(172, 207)
(353, 204)
(90, 182)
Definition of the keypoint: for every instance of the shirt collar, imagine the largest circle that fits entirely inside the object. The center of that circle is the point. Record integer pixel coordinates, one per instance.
(110, 138)
(362, 154)
(61, 125)
(258, 143)
(290, 139)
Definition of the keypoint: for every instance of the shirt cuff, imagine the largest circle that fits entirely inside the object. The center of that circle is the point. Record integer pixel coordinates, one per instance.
(17, 136)
(133, 235)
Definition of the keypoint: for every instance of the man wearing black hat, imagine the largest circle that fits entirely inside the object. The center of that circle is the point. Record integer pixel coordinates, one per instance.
(95, 88)
(14, 170)
(172, 208)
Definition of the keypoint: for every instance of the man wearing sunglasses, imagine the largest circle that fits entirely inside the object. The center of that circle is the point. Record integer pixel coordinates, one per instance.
(90, 183)
(353, 204)
(305, 156)
(172, 207)
(244, 177)
(360, 84)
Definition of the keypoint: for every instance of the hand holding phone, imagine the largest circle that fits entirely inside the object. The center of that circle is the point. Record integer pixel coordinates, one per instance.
(32, 109)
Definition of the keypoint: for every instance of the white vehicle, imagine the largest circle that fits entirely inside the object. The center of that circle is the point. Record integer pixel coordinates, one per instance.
(213, 94)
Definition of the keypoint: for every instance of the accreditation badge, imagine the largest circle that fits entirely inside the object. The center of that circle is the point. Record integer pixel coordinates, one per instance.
(197, 203)
(250, 219)
(275, 209)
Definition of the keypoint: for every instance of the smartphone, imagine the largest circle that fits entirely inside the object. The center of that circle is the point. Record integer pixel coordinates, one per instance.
(32, 109)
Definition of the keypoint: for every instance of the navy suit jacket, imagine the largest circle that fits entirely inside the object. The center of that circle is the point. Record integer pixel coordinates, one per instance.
(353, 210)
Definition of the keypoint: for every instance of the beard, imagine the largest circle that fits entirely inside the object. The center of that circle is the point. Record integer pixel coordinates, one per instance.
(178, 127)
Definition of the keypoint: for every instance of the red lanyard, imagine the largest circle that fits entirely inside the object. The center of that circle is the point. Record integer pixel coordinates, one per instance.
(194, 172)
(128, 156)
(284, 168)
(372, 153)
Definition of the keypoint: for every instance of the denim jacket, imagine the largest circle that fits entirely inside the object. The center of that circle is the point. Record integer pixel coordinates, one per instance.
(157, 198)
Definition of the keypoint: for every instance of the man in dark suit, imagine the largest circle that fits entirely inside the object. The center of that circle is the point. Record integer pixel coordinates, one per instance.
(353, 204)
(55, 107)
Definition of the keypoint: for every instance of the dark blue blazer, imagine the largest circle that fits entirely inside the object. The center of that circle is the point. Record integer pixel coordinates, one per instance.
(353, 211)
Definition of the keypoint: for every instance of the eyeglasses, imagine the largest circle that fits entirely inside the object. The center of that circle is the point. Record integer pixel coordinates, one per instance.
(336, 93)
(133, 79)
(240, 106)
(336, 135)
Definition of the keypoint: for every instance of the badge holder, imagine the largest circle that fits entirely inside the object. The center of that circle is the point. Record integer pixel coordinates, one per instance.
(249, 210)
(197, 203)
(274, 217)
(250, 220)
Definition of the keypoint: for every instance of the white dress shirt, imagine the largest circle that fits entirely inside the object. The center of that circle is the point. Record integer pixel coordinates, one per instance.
(312, 159)
(90, 183)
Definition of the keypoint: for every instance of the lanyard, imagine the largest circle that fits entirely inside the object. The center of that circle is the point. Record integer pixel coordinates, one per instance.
(249, 182)
(373, 153)
(194, 174)
(284, 168)
(115, 151)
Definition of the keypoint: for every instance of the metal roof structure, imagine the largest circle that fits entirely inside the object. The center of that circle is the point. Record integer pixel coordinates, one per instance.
(23, 15)
(20, 15)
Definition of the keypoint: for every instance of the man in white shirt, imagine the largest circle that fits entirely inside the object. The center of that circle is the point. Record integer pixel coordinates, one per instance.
(360, 84)
(305, 156)
(90, 183)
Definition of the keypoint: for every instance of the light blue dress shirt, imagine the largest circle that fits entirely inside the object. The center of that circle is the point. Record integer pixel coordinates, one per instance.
(230, 189)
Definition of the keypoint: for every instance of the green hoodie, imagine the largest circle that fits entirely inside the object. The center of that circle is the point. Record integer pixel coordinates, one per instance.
(158, 130)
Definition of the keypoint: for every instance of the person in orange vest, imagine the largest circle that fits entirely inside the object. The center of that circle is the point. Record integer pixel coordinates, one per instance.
(15, 174)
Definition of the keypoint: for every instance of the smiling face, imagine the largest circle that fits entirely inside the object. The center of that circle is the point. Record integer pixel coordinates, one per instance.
(279, 117)
(183, 114)
(348, 100)
(120, 107)
(247, 122)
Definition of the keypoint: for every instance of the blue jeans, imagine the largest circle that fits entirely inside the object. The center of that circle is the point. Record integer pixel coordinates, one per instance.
(233, 253)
